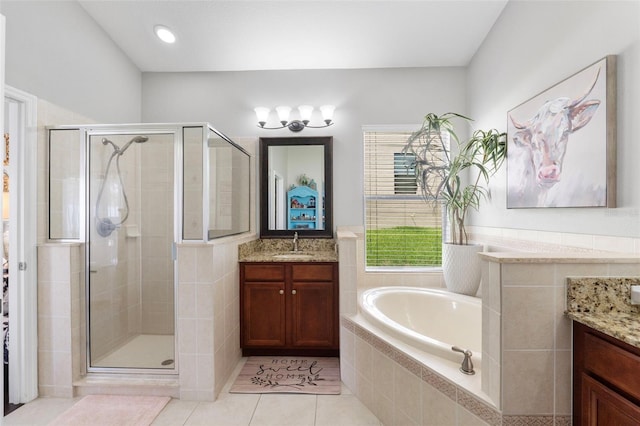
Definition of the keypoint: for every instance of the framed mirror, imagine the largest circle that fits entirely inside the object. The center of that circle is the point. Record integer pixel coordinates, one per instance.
(296, 187)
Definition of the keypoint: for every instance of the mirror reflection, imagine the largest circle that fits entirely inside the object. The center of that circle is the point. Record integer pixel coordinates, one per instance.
(296, 186)
(228, 188)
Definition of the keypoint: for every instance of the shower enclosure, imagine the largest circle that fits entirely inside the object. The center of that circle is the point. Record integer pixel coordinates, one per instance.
(130, 193)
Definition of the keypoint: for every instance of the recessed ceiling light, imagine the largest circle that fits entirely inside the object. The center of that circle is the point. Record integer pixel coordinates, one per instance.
(164, 34)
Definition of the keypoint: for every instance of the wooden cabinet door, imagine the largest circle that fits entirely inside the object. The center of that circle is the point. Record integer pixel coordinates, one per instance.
(603, 407)
(313, 314)
(263, 314)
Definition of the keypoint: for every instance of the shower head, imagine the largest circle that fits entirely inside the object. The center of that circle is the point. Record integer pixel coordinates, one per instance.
(140, 139)
(136, 139)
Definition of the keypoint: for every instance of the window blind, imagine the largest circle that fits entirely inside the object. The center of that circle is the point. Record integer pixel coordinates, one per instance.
(401, 229)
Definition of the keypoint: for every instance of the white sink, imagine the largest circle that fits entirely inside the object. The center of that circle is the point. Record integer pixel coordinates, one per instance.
(293, 256)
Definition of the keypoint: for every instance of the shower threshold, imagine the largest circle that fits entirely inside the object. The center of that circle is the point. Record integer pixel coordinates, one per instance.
(141, 351)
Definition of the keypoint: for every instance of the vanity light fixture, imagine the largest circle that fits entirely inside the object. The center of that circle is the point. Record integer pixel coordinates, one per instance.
(305, 112)
(164, 34)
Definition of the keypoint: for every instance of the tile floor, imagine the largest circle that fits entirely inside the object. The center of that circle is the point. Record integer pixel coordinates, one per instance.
(229, 410)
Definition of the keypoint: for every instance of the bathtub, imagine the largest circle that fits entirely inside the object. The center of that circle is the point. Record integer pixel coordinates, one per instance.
(430, 320)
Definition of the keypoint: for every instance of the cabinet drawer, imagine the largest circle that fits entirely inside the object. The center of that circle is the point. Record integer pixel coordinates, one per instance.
(268, 272)
(613, 364)
(310, 272)
(602, 406)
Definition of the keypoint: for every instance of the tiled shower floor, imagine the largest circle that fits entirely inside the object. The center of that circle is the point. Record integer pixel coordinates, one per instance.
(143, 351)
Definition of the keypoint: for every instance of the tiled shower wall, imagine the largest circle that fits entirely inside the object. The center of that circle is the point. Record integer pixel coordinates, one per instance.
(221, 194)
(115, 303)
(48, 115)
(156, 225)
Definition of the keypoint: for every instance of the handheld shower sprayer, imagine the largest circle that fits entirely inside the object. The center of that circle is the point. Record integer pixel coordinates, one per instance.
(104, 225)
(107, 141)
(119, 151)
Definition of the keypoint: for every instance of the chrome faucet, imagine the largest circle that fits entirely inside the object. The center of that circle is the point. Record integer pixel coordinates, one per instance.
(467, 365)
(295, 241)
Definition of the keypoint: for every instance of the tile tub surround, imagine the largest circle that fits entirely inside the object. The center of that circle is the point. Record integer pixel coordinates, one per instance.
(263, 250)
(524, 302)
(400, 388)
(604, 303)
(528, 240)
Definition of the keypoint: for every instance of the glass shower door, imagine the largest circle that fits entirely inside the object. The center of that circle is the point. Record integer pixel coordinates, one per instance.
(131, 280)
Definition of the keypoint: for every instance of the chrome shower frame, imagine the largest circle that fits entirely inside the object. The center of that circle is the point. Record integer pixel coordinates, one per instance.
(105, 131)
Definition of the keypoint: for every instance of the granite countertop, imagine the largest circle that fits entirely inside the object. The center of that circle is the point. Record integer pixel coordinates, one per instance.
(604, 304)
(304, 256)
(281, 250)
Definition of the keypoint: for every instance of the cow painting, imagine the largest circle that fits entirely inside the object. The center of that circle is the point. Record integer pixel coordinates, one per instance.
(553, 160)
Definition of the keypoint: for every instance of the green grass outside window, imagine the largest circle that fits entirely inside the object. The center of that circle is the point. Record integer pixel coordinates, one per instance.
(404, 246)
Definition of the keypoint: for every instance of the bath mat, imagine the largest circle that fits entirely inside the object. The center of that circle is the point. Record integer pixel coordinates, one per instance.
(116, 410)
(289, 374)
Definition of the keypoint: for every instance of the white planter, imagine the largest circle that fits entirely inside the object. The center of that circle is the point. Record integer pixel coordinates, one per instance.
(461, 268)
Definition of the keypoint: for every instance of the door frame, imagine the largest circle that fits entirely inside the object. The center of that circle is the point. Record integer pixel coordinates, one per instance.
(23, 299)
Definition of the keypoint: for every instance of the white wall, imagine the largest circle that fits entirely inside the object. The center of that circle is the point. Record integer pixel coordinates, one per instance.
(362, 97)
(57, 52)
(534, 45)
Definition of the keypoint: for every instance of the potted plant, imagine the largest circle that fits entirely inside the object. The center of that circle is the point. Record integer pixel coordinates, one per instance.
(452, 173)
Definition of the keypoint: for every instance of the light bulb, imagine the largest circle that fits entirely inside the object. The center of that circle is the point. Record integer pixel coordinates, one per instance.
(305, 113)
(327, 113)
(283, 114)
(263, 114)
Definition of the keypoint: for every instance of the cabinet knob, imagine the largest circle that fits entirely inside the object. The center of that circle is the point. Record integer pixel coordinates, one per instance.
(281, 292)
(293, 292)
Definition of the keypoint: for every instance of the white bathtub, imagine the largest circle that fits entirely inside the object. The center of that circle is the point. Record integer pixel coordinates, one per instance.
(430, 320)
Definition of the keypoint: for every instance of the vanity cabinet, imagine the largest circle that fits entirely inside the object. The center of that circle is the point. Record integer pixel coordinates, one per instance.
(289, 308)
(606, 379)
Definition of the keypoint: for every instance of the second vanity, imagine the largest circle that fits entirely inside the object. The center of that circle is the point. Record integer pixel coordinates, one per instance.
(606, 351)
(289, 299)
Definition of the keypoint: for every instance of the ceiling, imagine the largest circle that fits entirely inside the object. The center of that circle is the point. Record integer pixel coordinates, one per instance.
(234, 35)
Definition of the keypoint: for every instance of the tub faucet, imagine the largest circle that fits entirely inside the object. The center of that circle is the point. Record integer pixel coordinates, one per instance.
(295, 241)
(467, 365)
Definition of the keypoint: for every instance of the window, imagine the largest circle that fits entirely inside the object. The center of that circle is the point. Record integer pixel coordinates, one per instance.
(404, 173)
(401, 229)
